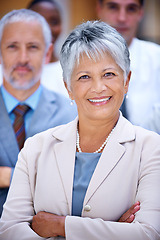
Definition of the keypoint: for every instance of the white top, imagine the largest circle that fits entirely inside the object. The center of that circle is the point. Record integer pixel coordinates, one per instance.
(51, 78)
(144, 86)
(153, 122)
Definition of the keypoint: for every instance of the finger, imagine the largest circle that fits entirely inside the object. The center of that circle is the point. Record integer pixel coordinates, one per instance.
(130, 219)
(125, 217)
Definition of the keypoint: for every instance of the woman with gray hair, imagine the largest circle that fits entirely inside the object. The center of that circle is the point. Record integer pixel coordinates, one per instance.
(95, 167)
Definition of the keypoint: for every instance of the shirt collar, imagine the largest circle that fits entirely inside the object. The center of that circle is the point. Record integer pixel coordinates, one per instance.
(11, 102)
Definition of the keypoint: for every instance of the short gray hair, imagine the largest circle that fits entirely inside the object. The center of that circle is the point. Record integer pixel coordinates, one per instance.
(94, 38)
(27, 15)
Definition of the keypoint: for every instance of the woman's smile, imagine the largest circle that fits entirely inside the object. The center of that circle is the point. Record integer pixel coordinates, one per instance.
(99, 101)
(98, 87)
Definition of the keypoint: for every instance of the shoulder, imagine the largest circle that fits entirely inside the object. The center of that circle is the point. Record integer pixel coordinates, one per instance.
(136, 134)
(147, 46)
(147, 142)
(54, 96)
(58, 133)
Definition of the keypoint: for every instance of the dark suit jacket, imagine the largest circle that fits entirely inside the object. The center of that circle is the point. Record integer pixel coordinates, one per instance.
(53, 109)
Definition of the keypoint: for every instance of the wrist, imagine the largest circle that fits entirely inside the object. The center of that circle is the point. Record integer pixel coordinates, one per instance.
(62, 226)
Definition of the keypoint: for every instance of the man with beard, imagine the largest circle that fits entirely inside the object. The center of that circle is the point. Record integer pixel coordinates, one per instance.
(143, 93)
(26, 107)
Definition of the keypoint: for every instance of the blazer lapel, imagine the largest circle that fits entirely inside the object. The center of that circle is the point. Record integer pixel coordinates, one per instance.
(45, 108)
(65, 150)
(111, 155)
(107, 162)
(7, 136)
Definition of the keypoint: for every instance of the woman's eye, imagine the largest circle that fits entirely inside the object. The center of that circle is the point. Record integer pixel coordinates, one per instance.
(84, 77)
(109, 74)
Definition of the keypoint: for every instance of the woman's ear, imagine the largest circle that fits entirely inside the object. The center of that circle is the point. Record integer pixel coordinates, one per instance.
(127, 82)
(69, 91)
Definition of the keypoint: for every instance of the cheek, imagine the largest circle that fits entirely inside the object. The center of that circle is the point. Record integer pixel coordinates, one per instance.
(37, 60)
(77, 90)
(109, 18)
(133, 21)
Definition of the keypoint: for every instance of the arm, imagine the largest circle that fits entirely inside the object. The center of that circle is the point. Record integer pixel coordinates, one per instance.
(50, 225)
(18, 213)
(146, 223)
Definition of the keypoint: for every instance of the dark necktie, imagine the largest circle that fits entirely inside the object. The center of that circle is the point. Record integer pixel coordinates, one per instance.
(18, 124)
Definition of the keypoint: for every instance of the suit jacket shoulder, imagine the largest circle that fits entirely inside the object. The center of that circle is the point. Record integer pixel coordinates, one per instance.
(53, 109)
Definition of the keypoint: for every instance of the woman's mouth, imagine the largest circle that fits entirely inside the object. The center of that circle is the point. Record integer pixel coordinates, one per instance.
(99, 100)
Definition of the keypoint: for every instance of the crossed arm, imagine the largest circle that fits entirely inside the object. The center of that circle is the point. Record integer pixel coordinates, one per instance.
(50, 225)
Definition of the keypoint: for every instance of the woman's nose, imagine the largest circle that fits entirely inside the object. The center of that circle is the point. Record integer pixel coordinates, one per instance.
(98, 85)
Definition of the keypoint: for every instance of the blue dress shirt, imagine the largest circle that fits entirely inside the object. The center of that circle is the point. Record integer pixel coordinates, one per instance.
(85, 164)
(11, 102)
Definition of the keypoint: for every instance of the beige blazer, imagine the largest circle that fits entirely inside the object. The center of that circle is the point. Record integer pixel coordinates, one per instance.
(128, 170)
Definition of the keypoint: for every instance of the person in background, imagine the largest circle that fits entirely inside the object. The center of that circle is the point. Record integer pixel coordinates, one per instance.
(52, 72)
(75, 181)
(153, 121)
(26, 106)
(143, 93)
(50, 10)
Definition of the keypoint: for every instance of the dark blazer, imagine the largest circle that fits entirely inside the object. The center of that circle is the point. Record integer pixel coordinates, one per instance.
(53, 109)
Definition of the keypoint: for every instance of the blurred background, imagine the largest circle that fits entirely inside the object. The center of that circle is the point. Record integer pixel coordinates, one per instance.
(76, 11)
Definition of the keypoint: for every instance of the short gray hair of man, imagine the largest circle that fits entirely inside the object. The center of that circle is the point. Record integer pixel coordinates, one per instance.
(94, 38)
(26, 15)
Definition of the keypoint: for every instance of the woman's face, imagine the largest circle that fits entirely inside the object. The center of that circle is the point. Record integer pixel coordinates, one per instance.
(98, 88)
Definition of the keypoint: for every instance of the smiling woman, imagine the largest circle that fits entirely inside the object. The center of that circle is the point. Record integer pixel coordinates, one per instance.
(81, 167)
(98, 88)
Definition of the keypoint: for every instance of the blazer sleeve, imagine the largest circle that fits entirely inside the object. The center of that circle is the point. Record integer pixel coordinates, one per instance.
(19, 210)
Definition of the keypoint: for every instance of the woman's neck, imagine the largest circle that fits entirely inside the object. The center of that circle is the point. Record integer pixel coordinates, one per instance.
(92, 134)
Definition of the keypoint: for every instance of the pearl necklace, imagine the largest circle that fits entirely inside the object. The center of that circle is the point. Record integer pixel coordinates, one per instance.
(102, 146)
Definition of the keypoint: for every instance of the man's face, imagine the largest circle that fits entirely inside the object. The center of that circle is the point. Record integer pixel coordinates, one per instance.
(22, 54)
(52, 16)
(124, 15)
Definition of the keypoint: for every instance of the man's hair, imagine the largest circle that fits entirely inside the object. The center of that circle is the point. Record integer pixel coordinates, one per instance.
(34, 2)
(26, 15)
(95, 39)
(140, 1)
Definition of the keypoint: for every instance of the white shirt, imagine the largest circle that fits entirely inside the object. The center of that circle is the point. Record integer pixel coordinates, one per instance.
(52, 78)
(144, 88)
(153, 123)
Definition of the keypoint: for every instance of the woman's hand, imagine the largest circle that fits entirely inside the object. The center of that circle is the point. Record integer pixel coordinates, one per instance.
(48, 225)
(129, 216)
